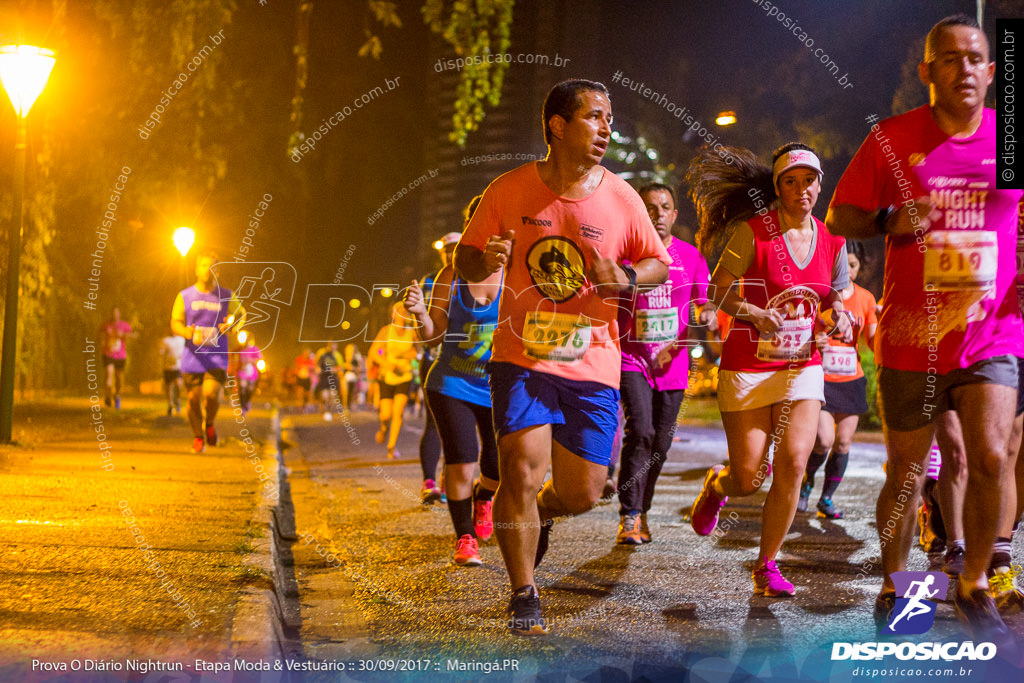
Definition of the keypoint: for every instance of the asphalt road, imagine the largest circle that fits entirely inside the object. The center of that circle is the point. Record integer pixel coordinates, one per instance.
(376, 579)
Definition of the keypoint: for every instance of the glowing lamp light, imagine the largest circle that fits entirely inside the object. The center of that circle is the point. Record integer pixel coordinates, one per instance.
(183, 239)
(726, 118)
(261, 365)
(387, 292)
(438, 245)
(345, 324)
(24, 70)
(242, 336)
(696, 352)
(354, 303)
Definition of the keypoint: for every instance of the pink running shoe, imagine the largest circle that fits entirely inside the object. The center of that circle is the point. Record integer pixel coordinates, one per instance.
(704, 513)
(769, 581)
(483, 519)
(467, 553)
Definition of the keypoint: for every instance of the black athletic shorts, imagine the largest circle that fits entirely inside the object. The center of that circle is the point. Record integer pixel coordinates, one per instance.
(196, 379)
(392, 390)
(847, 398)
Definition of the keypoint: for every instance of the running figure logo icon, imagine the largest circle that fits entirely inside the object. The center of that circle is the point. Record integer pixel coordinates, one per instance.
(263, 288)
(914, 612)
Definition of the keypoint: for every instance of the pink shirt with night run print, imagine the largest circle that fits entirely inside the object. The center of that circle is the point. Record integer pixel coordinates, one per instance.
(654, 336)
(949, 298)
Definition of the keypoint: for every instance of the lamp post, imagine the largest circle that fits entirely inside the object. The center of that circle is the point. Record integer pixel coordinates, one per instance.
(24, 71)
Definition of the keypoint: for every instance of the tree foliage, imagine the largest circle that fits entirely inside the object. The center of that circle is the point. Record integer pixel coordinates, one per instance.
(473, 29)
(116, 61)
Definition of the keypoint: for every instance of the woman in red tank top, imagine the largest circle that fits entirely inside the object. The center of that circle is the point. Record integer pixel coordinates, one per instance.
(788, 269)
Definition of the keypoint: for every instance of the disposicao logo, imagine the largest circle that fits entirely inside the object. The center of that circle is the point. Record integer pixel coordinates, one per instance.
(914, 614)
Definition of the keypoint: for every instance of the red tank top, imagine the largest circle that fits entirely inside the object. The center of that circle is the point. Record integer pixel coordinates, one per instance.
(775, 280)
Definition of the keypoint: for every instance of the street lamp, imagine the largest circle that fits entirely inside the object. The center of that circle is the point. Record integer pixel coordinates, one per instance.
(24, 71)
(726, 118)
(183, 239)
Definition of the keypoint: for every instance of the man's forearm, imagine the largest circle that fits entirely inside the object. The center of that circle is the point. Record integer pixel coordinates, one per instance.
(650, 271)
(846, 220)
(469, 263)
(181, 329)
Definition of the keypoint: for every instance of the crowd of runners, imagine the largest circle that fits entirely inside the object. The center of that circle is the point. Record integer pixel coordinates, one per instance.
(566, 297)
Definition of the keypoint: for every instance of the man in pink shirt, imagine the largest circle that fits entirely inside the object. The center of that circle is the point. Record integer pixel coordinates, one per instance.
(950, 329)
(563, 229)
(655, 365)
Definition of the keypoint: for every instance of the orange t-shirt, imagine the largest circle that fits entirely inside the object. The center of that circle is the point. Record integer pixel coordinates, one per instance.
(841, 361)
(551, 319)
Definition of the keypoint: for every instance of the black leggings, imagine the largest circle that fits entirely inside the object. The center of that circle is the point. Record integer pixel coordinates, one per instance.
(458, 423)
(430, 442)
(650, 424)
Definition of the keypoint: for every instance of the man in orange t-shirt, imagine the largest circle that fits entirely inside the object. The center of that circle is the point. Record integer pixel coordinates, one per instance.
(575, 241)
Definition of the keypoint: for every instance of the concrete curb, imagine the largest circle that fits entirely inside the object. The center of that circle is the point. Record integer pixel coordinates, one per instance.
(267, 613)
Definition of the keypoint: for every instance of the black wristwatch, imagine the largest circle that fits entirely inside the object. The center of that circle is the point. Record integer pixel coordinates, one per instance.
(882, 218)
(631, 274)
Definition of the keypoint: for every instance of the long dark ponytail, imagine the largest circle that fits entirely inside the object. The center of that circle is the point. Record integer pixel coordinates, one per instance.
(722, 187)
(730, 186)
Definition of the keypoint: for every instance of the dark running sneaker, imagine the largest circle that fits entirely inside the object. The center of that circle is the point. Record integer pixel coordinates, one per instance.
(884, 605)
(542, 540)
(980, 618)
(828, 510)
(524, 613)
(953, 563)
(430, 493)
(805, 496)
(211, 436)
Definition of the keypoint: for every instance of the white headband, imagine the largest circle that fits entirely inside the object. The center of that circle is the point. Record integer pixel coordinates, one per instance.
(794, 159)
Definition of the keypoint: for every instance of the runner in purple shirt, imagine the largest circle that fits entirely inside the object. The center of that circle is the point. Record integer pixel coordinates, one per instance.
(203, 314)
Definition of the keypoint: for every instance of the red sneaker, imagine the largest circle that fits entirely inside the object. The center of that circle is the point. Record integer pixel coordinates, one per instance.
(483, 519)
(197, 445)
(467, 552)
